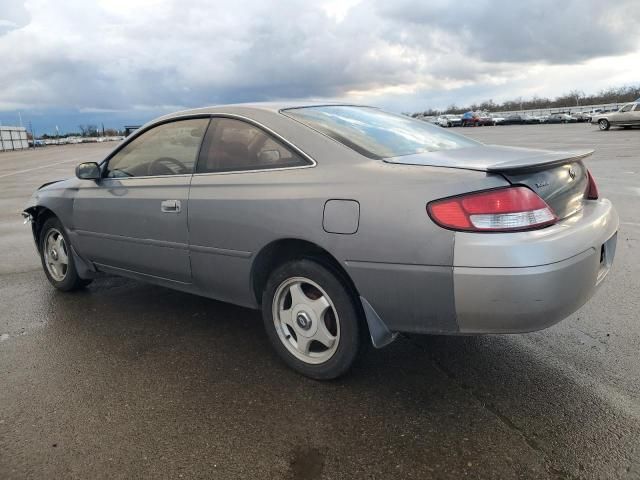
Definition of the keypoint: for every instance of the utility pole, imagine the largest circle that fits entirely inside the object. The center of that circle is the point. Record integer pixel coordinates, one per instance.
(33, 135)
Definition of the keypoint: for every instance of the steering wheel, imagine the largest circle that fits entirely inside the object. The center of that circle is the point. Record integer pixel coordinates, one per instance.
(160, 166)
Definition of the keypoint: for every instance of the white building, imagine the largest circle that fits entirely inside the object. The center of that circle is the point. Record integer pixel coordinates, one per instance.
(13, 138)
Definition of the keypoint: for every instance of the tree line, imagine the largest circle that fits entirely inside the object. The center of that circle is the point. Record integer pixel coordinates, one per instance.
(572, 99)
(90, 131)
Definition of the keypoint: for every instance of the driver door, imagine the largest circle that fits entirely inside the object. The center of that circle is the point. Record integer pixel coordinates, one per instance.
(635, 119)
(624, 115)
(134, 219)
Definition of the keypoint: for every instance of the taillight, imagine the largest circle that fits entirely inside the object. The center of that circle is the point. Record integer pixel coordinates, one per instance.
(503, 209)
(592, 188)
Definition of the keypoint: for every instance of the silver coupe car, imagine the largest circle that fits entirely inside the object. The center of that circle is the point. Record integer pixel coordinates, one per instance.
(344, 224)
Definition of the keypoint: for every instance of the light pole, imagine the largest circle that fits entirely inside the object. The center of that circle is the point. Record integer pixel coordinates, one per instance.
(33, 135)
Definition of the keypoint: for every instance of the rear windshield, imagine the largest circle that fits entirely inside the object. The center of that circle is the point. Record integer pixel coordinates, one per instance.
(377, 134)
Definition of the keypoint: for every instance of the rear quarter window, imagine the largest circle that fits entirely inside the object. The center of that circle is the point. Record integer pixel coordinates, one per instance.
(375, 133)
(234, 146)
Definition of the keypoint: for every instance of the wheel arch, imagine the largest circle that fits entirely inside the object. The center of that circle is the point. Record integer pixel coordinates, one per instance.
(39, 214)
(283, 250)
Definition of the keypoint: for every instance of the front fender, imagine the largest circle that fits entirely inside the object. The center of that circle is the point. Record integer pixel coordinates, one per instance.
(53, 198)
(30, 214)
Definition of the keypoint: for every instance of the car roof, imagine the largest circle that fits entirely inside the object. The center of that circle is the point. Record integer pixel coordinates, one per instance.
(240, 108)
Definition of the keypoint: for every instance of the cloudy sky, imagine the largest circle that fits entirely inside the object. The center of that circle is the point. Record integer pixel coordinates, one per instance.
(126, 61)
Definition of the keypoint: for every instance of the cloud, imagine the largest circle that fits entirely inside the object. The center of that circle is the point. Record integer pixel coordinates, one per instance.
(145, 55)
(13, 14)
(506, 31)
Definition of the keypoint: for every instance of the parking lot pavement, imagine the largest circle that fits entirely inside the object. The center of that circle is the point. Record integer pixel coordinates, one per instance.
(127, 380)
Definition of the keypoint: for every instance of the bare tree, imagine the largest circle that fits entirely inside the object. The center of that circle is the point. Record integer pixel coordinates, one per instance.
(627, 93)
(576, 95)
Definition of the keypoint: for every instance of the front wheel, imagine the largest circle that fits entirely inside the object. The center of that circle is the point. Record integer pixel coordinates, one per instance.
(604, 124)
(312, 319)
(56, 257)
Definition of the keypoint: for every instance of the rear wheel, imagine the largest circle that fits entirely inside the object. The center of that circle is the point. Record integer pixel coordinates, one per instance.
(604, 124)
(312, 319)
(57, 260)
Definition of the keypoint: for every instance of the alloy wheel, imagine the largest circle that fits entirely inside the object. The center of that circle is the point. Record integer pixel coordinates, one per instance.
(306, 320)
(56, 257)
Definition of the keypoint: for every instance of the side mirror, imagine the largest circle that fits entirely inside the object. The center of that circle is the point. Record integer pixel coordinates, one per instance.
(88, 171)
(269, 156)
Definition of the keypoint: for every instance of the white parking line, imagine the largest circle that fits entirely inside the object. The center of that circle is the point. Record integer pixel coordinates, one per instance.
(35, 168)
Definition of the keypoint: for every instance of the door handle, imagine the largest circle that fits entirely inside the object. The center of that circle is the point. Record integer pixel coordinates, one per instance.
(170, 206)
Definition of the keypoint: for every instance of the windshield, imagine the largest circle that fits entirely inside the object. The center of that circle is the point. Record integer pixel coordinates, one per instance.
(377, 134)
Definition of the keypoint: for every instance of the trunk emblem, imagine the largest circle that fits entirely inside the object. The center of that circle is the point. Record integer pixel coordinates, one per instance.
(544, 183)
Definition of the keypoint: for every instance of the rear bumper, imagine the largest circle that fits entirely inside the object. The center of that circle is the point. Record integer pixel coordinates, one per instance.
(521, 282)
(498, 283)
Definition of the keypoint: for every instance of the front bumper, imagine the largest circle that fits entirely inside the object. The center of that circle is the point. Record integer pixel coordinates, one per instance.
(526, 281)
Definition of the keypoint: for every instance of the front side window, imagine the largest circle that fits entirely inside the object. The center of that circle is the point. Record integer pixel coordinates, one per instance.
(627, 108)
(233, 145)
(637, 109)
(168, 149)
(377, 134)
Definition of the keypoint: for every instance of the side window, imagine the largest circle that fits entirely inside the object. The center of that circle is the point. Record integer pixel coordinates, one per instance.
(168, 149)
(637, 109)
(233, 145)
(627, 108)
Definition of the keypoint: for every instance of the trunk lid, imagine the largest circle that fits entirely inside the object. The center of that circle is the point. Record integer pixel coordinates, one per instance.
(563, 186)
(559, 178)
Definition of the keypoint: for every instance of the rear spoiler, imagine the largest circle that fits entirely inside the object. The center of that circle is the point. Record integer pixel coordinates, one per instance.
(492, 158)
(540, 162)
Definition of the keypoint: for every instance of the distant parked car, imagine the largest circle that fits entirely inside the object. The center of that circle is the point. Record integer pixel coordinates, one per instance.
(498, 119)
(449, 120)
(628, 116)
(470, 119)
(582, 117)
(429, 119)
(485, 119)
(520, 119)
(561, 118)
(476, 119)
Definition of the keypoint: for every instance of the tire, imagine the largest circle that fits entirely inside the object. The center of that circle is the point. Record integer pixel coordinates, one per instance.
(305, 300)
(604, 124)
(54, 249)
(626, 127)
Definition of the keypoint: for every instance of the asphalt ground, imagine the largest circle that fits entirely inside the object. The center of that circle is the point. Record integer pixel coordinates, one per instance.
(128, 380)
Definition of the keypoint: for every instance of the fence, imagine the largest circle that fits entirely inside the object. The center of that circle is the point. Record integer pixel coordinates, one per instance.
(13, 138)
(569, 109)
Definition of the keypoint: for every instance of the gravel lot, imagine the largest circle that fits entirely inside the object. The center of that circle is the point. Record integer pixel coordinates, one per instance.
(127, 380)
